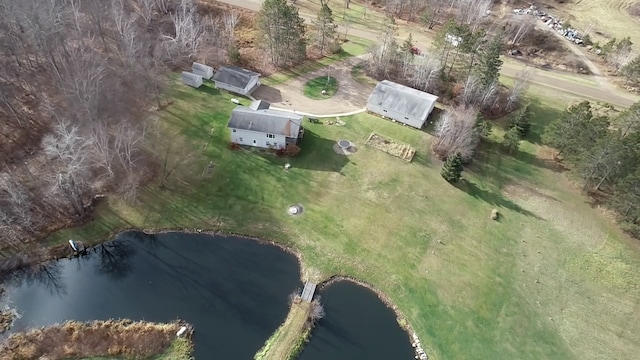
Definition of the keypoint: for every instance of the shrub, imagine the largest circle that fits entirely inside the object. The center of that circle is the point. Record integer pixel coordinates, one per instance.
(289, 150)
(233, 146)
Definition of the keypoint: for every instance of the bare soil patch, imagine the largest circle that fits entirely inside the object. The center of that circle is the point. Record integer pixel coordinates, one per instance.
(397, 149)
(100, 338)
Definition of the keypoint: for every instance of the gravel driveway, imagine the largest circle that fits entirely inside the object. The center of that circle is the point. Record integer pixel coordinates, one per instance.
(351, 95)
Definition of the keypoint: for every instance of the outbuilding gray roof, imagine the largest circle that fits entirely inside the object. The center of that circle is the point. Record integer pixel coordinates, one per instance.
(266, 121)
(234, 76)
(402, 99)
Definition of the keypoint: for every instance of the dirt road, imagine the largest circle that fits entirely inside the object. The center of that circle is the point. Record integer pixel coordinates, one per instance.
(604, 92)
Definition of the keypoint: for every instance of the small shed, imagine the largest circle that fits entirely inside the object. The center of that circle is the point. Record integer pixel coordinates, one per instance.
(236, 80)
(203, 70)
(401, 103)
(191, 79)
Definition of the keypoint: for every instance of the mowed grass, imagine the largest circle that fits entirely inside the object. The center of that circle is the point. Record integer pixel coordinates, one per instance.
(553, 279)
(313, 88)
(354, 46)
(357, 16)
(607, 16)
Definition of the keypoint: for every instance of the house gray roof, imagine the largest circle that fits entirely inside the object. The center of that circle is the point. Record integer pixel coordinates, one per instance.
(266, 121)
(259, 105)
(234, 76)
(403, 99)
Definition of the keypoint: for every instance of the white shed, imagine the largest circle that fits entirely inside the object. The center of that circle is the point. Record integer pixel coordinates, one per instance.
(191, 79)
(401, 103)
(237, 80)
(203, 70)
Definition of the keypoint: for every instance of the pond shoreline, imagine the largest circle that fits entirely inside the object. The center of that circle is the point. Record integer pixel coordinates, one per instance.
(401, 319)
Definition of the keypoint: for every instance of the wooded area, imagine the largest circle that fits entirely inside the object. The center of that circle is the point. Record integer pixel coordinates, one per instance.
(77, 79)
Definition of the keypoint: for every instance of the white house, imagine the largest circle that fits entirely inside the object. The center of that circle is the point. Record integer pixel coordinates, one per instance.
(401, 103)
(257, 125)
(203, 70)
(192, 80)
(236, 80)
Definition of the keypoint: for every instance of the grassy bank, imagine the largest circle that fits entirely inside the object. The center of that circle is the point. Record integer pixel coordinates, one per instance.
(288, 340)
(111, 339)
(553, 279)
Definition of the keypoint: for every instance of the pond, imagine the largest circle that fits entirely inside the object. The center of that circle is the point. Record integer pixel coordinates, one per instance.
(233, 290)
(357, 325)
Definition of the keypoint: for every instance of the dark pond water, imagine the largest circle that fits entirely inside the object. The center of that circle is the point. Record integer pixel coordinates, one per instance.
(235, 291)
(357, 326)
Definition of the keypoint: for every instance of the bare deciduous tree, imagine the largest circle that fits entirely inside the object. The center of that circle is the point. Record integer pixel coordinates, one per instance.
(520, 85)
(516, 32)
(425, 73)
(456, 133)
(230, 20)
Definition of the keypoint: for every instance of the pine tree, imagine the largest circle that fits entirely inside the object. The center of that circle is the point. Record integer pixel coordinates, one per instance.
(283, 31)
(483, 127)
(325, 28)
(512, 139)
(489, 63)
(452, 168)
(520, 120)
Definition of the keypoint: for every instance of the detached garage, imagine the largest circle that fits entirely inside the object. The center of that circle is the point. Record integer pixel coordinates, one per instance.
(401, 103)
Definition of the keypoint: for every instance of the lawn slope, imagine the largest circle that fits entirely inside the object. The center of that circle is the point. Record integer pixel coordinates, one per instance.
(553, 279)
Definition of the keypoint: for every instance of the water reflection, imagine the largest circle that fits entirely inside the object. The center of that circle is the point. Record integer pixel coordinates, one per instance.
(357, 326)
(233, 290)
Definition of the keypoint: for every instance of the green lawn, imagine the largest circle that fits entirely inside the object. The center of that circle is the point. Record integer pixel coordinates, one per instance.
(314, 87)
(553, 279)
(354, 46)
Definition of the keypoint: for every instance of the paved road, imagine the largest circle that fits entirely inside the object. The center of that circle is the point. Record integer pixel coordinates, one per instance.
(602, 92)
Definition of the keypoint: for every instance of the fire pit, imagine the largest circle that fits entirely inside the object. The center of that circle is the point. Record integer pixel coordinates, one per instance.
(344, 144)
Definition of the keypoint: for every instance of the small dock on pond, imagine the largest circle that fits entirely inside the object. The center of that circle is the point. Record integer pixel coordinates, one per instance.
(308, 291)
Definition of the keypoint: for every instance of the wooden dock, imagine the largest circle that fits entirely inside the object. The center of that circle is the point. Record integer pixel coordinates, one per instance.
(308, 291)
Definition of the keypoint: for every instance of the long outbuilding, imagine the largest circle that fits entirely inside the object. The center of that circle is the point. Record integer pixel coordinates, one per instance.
(401, 103)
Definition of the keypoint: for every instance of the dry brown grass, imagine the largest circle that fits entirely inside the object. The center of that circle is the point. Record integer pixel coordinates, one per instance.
(403, 151)
(99, 338)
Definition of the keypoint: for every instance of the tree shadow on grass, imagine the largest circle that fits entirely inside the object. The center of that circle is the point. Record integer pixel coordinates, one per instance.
(541, 116)
(492, 198)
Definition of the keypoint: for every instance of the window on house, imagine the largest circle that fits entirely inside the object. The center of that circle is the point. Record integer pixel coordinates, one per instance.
(406, 118)
(384, 110)
(240, 139)
(271, 136)
(234, 130)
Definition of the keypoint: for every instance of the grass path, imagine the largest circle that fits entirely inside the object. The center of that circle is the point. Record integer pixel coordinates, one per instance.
(288, 340)
(554, 279)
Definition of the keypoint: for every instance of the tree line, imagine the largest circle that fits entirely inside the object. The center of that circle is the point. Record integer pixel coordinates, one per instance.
(77, 81)
(603, 149)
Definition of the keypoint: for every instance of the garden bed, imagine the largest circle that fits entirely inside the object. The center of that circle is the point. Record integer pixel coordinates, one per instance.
(403, 151)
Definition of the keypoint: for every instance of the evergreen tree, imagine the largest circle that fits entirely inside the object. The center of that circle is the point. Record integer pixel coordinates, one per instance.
(576, 130)
(520, 120)
(511, 139)
(325, 29)
(483, 127)
(452, 168)
(283, 31)
(489, 62)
